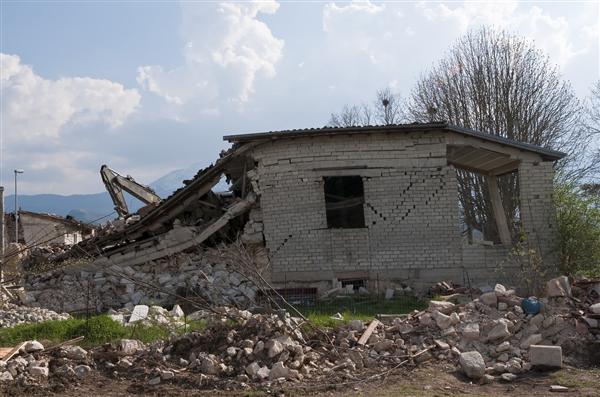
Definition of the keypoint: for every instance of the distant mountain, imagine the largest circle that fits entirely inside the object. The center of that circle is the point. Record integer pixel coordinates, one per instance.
(90, 207)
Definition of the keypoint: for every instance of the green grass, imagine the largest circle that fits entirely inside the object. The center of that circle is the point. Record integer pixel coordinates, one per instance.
(359, 308)
(97, 330)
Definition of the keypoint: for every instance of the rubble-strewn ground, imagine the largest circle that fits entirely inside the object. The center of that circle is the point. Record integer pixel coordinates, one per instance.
(480, 345)
(430, 380)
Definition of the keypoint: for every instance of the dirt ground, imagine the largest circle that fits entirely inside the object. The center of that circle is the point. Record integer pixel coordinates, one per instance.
(428, 381)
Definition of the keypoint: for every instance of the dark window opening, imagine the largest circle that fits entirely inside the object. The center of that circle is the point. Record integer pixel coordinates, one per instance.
(355, 283)
(344, 199)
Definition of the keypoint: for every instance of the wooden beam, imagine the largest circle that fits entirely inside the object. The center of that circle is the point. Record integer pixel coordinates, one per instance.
(365, 337)
(499, 214)
(505, 169)
(495, 163)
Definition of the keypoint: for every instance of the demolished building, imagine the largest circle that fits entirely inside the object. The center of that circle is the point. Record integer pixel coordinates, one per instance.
(36, 228)
(357, 205)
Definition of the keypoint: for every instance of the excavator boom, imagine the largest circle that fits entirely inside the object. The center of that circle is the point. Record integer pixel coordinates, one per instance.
(116, 183)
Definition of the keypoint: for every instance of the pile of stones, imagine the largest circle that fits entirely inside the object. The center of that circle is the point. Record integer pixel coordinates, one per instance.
(490, 338)
(32, 364)
(149, 315)
(11, 315)
(205, 274)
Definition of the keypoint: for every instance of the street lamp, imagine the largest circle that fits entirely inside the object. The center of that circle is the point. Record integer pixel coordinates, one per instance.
(17, 171)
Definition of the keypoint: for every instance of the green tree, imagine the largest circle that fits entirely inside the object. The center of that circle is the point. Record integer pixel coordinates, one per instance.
(578, 215)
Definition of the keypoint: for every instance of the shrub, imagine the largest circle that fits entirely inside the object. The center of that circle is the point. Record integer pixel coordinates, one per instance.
(578, 216)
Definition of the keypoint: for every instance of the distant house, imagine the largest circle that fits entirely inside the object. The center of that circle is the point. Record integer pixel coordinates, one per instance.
(45, 229)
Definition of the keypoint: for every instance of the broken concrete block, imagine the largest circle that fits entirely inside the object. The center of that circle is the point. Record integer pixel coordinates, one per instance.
(252, 369)
(274, 347)
(154, 381)
(33, 346)
(76, 353)
(356, 325)
(508, 377)
(82, 370)
(383, 345)
(454, 318)
(140, 312)
(595, 308)
(441, 344)
(471, 331)
(489, 298)
(545, 356)
(499, 331)
(504, 346)
(441, 306)
(128, 347)
(559, 286)
(41, 372)
(263, 372)
(472, 364)
(531, 340)
(278, 370)
(176, 311)
(443, 321)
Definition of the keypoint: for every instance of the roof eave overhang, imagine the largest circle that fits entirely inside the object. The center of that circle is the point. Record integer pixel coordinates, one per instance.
(546, 154)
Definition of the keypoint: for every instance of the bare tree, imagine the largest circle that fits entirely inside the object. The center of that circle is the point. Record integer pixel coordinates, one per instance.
(498, 83)
(386, 110)
(352, 116)
(593, 109)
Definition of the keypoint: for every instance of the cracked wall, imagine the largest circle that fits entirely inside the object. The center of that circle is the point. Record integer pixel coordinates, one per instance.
(411, 211)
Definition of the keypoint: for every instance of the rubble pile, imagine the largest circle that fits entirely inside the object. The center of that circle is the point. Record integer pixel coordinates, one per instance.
(149, 316)
(495, 337)
(32, 365)
(42, 257)
(11, 315)
(205, 274)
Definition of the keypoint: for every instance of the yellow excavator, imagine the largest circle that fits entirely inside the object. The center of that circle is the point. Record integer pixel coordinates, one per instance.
(116, 183)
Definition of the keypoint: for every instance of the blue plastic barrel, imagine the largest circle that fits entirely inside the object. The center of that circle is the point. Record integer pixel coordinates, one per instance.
(530, 305)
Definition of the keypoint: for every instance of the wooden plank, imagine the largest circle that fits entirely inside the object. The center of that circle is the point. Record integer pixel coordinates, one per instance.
(13, 351)
(498, 209)
(365, 337)
(505, 169)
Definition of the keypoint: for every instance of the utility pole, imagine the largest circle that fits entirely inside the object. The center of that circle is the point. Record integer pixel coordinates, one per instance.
(17, 171)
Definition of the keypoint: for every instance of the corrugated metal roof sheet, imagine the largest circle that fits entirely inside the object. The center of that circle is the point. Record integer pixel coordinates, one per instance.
(548, 154)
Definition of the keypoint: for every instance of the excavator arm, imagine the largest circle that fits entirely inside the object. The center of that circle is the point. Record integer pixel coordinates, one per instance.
(115, 184)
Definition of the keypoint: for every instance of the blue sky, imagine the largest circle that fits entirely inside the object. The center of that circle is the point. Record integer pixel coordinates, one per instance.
(148, 87)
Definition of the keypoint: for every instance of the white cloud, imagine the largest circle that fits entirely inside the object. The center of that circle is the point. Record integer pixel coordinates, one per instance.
(34, 107)
(351, 14)
(227, 47)
(553, 34)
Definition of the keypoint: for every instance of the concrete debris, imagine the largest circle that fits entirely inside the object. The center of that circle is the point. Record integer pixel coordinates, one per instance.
(100, 288)
(559, 286)
(237, 346)
(558, 389)
(472, 364)
(33, 346)
(11, 315)
(545, 356)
